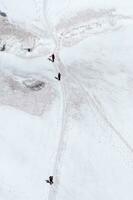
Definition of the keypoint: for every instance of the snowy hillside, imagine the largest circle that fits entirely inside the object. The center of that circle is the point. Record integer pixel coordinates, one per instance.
(79, 128)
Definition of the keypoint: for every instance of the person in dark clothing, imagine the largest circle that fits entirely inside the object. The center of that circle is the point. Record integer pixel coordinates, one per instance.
(29, 50)
(52, 58)
(3, 48)
(50, 181)
(59, 77)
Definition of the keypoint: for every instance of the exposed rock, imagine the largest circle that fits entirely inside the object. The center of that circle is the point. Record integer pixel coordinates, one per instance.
(34, 85)
(3, 14)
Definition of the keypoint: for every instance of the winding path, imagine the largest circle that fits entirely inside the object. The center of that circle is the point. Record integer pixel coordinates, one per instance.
(63, 106)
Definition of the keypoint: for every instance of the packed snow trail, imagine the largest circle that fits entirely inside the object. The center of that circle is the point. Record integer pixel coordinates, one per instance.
(61, 146)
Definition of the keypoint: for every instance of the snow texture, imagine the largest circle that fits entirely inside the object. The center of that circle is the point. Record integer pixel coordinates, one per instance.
(79, 129)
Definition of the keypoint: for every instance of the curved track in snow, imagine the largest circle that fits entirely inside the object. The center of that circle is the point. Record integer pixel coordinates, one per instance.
(61, 145)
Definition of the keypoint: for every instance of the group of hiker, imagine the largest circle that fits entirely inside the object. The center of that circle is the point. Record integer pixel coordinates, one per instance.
(58, 77)
(3, 48)
(52, 59)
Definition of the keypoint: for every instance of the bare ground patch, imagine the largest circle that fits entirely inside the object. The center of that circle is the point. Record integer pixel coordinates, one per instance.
(31, 95)
(83, 24)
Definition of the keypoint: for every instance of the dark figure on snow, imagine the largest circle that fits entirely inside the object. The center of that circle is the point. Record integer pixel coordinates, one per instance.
(50, 181)
(59, 77)
(3, 48)
(28, 49)
(52, 58)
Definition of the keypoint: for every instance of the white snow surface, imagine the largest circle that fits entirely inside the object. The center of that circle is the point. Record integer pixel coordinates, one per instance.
(79, 129)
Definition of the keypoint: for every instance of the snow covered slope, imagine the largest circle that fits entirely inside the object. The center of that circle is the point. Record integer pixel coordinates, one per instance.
(79, 129)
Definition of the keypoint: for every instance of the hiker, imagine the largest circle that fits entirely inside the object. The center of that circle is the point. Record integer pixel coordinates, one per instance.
(50, 181)
(52, 58)
(29, 50)
(3, 48)
(59, 77)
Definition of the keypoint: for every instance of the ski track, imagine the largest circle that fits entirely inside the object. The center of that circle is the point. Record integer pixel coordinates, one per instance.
(98, 108)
